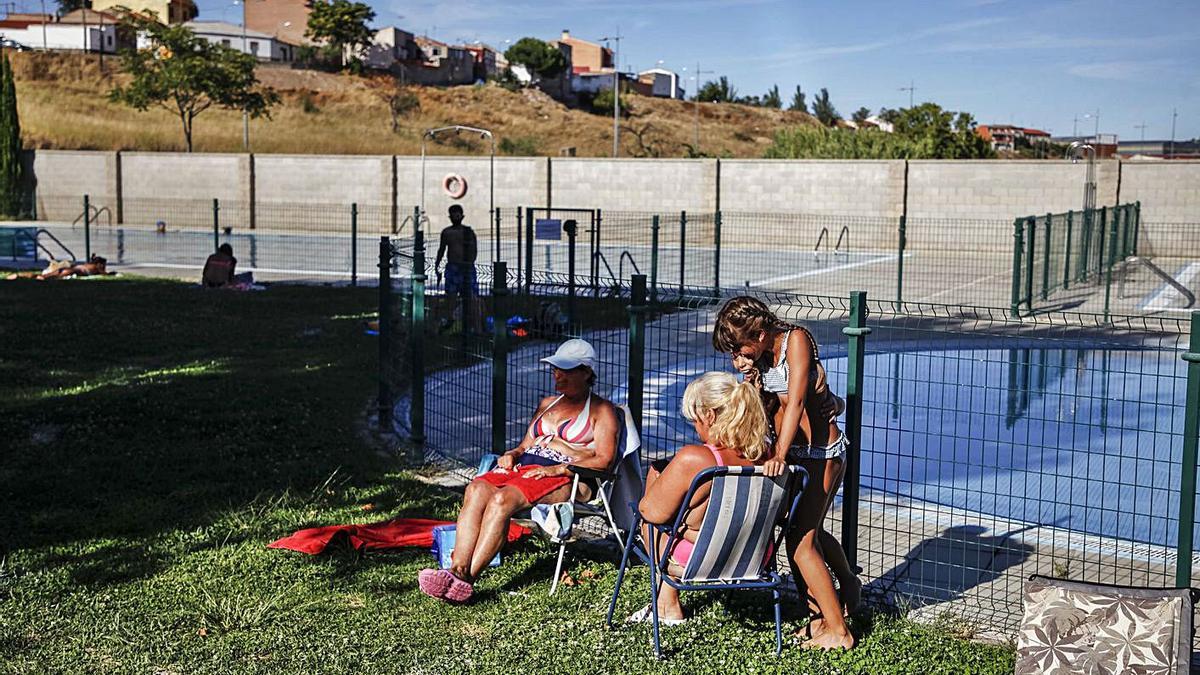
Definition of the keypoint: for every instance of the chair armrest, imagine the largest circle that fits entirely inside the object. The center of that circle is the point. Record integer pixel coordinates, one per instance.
(584, 472)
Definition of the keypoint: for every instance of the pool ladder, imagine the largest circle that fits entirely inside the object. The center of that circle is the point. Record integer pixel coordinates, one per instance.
(37, 243)
(844, 235)
(1167, 278)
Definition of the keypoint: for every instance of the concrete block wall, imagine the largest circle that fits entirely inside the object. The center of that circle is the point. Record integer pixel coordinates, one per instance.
(1170, 197)
(62, 177)
(951, 205)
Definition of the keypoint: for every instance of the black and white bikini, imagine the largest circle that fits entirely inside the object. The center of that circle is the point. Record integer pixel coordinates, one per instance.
(775, 380)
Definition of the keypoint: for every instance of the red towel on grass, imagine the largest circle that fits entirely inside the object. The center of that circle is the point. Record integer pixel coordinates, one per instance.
(391, 534)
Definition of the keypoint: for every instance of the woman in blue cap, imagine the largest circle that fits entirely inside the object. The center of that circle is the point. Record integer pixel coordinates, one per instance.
(573, 427)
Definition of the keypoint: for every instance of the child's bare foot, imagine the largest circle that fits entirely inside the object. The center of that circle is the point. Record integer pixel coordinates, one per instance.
(827, 640)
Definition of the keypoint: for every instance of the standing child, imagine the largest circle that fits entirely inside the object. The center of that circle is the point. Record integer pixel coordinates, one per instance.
(784, 359)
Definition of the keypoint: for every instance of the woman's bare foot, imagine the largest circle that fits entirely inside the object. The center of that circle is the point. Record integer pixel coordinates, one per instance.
(829, 640)
(671, 612)
(851, 595)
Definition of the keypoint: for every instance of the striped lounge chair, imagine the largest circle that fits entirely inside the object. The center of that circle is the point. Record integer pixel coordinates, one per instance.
(736, 543)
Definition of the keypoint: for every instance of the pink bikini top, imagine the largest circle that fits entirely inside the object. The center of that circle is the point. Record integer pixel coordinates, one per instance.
(716, 454)
(577, 431)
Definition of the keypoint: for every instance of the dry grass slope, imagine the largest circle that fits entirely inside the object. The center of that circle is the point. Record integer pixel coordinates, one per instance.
(64, 105)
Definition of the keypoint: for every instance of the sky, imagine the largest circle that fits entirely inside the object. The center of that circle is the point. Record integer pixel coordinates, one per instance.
(1038, 64)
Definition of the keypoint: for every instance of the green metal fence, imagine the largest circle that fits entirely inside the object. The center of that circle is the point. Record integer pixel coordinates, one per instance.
(1053, 251)
(984, 447)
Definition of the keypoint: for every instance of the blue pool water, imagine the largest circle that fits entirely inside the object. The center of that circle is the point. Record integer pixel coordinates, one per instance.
(1085, 440)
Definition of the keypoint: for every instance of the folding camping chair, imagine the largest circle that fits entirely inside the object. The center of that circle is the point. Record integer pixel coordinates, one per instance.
(736, 545)
(621, 486)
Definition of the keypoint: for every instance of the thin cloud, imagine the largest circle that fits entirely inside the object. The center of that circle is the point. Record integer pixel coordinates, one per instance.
(1118, 70)
(1043, 41)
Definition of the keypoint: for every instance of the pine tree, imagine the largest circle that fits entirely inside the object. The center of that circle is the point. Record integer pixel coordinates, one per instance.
(10, 143)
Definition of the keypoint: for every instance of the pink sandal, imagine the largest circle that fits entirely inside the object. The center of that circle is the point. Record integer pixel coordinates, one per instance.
(434, 583)
(443, 585)
(459, 590)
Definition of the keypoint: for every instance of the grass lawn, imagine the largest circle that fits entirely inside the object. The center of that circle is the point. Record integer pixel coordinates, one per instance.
(157, 437)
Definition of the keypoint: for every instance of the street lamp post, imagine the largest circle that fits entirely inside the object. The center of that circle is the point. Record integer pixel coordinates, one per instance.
(697, 75)
(616, 91)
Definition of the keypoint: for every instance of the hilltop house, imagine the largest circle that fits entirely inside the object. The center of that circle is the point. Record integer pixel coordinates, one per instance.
(260, 45)
(164, 11)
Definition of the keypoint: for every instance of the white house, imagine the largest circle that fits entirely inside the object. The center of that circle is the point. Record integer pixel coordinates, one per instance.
(661, 82)
(389, 45)
(82, 37)
(262, 46)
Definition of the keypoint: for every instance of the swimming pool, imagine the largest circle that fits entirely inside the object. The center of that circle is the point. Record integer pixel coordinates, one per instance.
(1080, 439)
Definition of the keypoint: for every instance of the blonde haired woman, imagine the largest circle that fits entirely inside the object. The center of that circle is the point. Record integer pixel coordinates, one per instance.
(728, 417)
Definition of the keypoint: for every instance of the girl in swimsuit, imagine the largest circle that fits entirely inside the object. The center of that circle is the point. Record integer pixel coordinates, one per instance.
(729, 419)
(783, 360)
(575, 427)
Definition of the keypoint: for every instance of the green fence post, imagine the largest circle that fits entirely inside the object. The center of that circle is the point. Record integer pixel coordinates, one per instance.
(857, 333)
(717, 254)
(1103, 232)
(1067, 251)
(354, 244)
(1046, 257)
(1137, 224)
(572, 228)
(499, 357)
(654, 259)
(637, 347)
(416, 414)
(384, 399)
(682, 249)
(1031, 223)
(902, 244)
(1191, 438)
(1017, 268)
(87, 229)
(496, 215)
(528, 249)
(216, 224)
(520, 247)
(1112, 260)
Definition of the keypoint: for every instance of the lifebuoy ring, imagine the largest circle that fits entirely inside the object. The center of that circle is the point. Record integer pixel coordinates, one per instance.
(454, 185)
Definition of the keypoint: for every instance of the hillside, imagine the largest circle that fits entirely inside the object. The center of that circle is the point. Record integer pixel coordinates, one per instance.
(63, 105)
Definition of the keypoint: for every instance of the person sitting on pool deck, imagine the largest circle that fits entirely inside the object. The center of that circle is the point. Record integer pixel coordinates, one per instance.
(576, 427)
(218, 269)
(728, 417)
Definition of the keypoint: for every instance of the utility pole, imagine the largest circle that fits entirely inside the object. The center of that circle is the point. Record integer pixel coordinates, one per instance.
(44, 43)
(1075, 126)
(616, 91)
(1174, 114)
(910, 89)
(245, 113)
(1142, 127)
(697, 102)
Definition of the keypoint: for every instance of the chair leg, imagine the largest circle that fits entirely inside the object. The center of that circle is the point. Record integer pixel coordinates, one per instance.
(612, 522)
(778, 621)
(612, 605)
(562, 549)
(655, 582)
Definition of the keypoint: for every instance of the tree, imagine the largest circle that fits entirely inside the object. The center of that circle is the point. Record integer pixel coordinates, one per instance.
(11, 202)
(798, 101)
(542, 59)
(341, 25)
(400, 102)
(860, 115)
(719, 91)
(823, 110)
(187, 75)
(772, 99)
(66, 6)
(942, 134)
(889, 115)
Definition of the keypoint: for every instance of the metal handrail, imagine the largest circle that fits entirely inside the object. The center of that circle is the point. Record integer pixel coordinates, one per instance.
(95, 212)
(36, 239)
(621, 264)
(1167, 278)
(600, 255)
(837, 248)
(822, 237)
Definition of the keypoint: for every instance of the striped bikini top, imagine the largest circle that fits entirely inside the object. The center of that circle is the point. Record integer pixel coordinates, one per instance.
(576, 431)
(775, 379)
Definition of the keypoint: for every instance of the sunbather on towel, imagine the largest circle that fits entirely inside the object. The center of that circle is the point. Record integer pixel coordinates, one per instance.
(728, 417)
(575, 427)
(94, 266)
